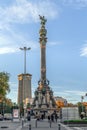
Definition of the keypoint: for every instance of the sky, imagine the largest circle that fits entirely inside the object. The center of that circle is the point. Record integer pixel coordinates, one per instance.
(66, 48)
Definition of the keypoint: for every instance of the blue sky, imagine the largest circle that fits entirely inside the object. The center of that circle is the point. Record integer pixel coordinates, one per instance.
(66, 47)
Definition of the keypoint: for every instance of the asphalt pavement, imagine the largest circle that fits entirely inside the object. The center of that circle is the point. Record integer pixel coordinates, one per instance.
(37, 125)
(44, 125)
(9, 125)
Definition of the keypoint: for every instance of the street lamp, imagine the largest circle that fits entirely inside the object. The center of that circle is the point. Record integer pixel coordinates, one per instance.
(82, 97)
(25, 49)
(24, 105)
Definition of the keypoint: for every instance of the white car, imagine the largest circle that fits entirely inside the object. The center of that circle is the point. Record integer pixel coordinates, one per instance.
(1, 117)
(7, 116)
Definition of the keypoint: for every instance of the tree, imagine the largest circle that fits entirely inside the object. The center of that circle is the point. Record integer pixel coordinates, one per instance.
(59, 103)
(7, 105)
(4, 85)
(80, 107)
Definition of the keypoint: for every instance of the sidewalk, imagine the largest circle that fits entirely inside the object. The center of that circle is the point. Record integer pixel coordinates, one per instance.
(44, 125)
(36, 125)
(9, 125)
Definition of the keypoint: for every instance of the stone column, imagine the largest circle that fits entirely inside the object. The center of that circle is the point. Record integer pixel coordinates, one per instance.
(43, 40)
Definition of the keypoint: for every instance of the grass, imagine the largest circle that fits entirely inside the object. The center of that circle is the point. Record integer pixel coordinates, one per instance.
(83, 121)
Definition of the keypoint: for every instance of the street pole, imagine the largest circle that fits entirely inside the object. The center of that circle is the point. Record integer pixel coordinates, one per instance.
(24, 111)
(25, 49)
(82, 97)
(3, 107)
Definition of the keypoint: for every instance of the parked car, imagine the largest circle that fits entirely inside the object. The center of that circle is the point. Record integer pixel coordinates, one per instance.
(7, 116)
(1, 117)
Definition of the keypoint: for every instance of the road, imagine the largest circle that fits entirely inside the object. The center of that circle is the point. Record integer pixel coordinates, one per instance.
(42, 125)
(36, 125)
(9, 125)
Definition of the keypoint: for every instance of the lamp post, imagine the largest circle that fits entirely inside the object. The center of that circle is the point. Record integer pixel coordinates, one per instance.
(24, 105)
(25, 49)
(82, 97)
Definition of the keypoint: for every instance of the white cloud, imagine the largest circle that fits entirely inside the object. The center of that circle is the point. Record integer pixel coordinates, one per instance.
(7, 44)
(11, 41)
(84, 51)
(76, 92)
(5, 50)
(73, 96)
(69, 93)
(25, 11)
(8, 47)
(21, 12)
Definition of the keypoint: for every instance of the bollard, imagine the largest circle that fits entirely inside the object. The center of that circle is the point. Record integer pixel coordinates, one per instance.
(50, 123)
(22, 123)
(29, 126)
(59, 126)
(36, 123)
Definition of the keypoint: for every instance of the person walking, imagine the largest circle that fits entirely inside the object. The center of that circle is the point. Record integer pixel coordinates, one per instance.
(48, 118)
(52, 118)
(56, 117)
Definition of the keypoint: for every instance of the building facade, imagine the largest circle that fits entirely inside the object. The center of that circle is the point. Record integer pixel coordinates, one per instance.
(61, 102)
(24, 88)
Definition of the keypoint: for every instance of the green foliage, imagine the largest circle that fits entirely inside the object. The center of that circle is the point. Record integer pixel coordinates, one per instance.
(28, 105)
(76, 121)
(5, 108)
(4, 85)
(80, 105)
